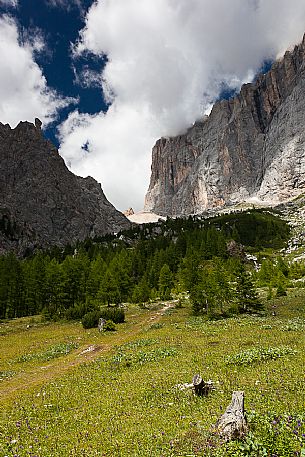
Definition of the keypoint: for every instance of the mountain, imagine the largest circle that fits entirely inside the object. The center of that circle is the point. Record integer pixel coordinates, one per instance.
(41, 202)
(250, 147)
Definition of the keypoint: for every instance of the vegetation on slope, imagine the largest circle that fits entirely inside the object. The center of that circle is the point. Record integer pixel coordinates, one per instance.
(123, 397)
(139, 265)
(69, 391)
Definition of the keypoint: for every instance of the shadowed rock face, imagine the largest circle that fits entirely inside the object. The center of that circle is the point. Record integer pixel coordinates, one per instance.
(41, 202)
(252, 145)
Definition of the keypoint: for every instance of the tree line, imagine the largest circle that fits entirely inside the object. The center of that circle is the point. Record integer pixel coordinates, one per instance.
(181, 256)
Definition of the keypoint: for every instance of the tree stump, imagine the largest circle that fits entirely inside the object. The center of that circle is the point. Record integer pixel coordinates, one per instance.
(101, 323)
(232, 424)
(200, 387)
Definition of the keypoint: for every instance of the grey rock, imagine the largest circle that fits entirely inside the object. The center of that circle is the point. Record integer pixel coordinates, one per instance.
(251, 146)
(41, 202)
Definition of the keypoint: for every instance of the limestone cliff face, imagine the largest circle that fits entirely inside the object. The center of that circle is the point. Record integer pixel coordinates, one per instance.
(252, 145)
(41, 202)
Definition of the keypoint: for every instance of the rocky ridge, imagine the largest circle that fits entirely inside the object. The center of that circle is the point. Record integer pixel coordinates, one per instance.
(41, 202)
(250, 147)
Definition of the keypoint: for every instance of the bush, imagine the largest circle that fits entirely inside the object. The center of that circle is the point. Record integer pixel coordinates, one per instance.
(116, 315)
(109, 326)
(90, 320)
(76, 312)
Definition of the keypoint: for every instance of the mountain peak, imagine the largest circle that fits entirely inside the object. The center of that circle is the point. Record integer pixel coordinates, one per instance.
(44, 201)
(251, 146)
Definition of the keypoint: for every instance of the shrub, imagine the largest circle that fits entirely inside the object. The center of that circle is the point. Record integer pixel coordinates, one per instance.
(76, 312)
(90, 320)
(117, 315)
(109, 326)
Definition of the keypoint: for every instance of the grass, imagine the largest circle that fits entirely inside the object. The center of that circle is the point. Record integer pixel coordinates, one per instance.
(259, 354)
(52, 352)
(121, 399)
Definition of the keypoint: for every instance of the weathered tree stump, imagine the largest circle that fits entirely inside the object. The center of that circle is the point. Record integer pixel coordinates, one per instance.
(200, 387)
(232, 424)
(101, 323)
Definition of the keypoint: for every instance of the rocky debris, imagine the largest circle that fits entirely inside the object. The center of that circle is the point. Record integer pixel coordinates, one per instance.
(128, 212)
(250, 147)
(41, 202)
(145, 217)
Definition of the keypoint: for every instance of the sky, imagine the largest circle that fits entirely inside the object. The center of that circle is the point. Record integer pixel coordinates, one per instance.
(109, 77)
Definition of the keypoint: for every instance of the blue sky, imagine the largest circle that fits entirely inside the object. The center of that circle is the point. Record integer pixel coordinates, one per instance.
(109, 77)
(59, 27)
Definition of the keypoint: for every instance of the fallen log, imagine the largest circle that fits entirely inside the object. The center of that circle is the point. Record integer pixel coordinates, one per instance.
(232, 424)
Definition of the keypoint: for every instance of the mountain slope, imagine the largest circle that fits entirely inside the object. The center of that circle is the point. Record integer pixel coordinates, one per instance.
(252, 145)
(41, 202)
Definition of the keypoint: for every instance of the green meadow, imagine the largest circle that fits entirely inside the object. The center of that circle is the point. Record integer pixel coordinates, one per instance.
(67, 391)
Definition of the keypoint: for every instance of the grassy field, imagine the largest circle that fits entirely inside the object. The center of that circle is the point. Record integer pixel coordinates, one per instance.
(66, 391)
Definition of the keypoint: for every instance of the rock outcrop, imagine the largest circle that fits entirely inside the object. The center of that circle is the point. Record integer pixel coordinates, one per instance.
(251, 146)
(128, 212)
(41, 202)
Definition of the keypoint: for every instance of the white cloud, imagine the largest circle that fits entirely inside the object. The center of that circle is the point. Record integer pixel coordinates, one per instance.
(24, 93)
(66, 4)
(87, 78)
(13, 3)
(166, 60)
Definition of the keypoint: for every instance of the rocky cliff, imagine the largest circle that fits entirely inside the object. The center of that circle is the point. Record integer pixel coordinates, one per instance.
(251, 146)
(41, 202)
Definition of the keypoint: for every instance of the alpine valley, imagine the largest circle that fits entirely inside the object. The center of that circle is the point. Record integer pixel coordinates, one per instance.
(123, 339)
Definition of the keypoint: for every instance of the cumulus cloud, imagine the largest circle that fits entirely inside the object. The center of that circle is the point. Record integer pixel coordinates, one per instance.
(167, 62)
(24, 93)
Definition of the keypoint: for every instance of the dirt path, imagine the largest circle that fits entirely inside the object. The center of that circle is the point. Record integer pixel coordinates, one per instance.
(33, 378)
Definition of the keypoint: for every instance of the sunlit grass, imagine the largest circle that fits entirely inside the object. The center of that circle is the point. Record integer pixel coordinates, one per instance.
(123, 399)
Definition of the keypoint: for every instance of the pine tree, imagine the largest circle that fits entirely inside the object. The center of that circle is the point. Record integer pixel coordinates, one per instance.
(281, 290)
(165, 282)
(15, 288)
(282, 266)
(109, 292)
(97, 269)
(141, 292)
(54, 289)
(204, 294)
(246, 294)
